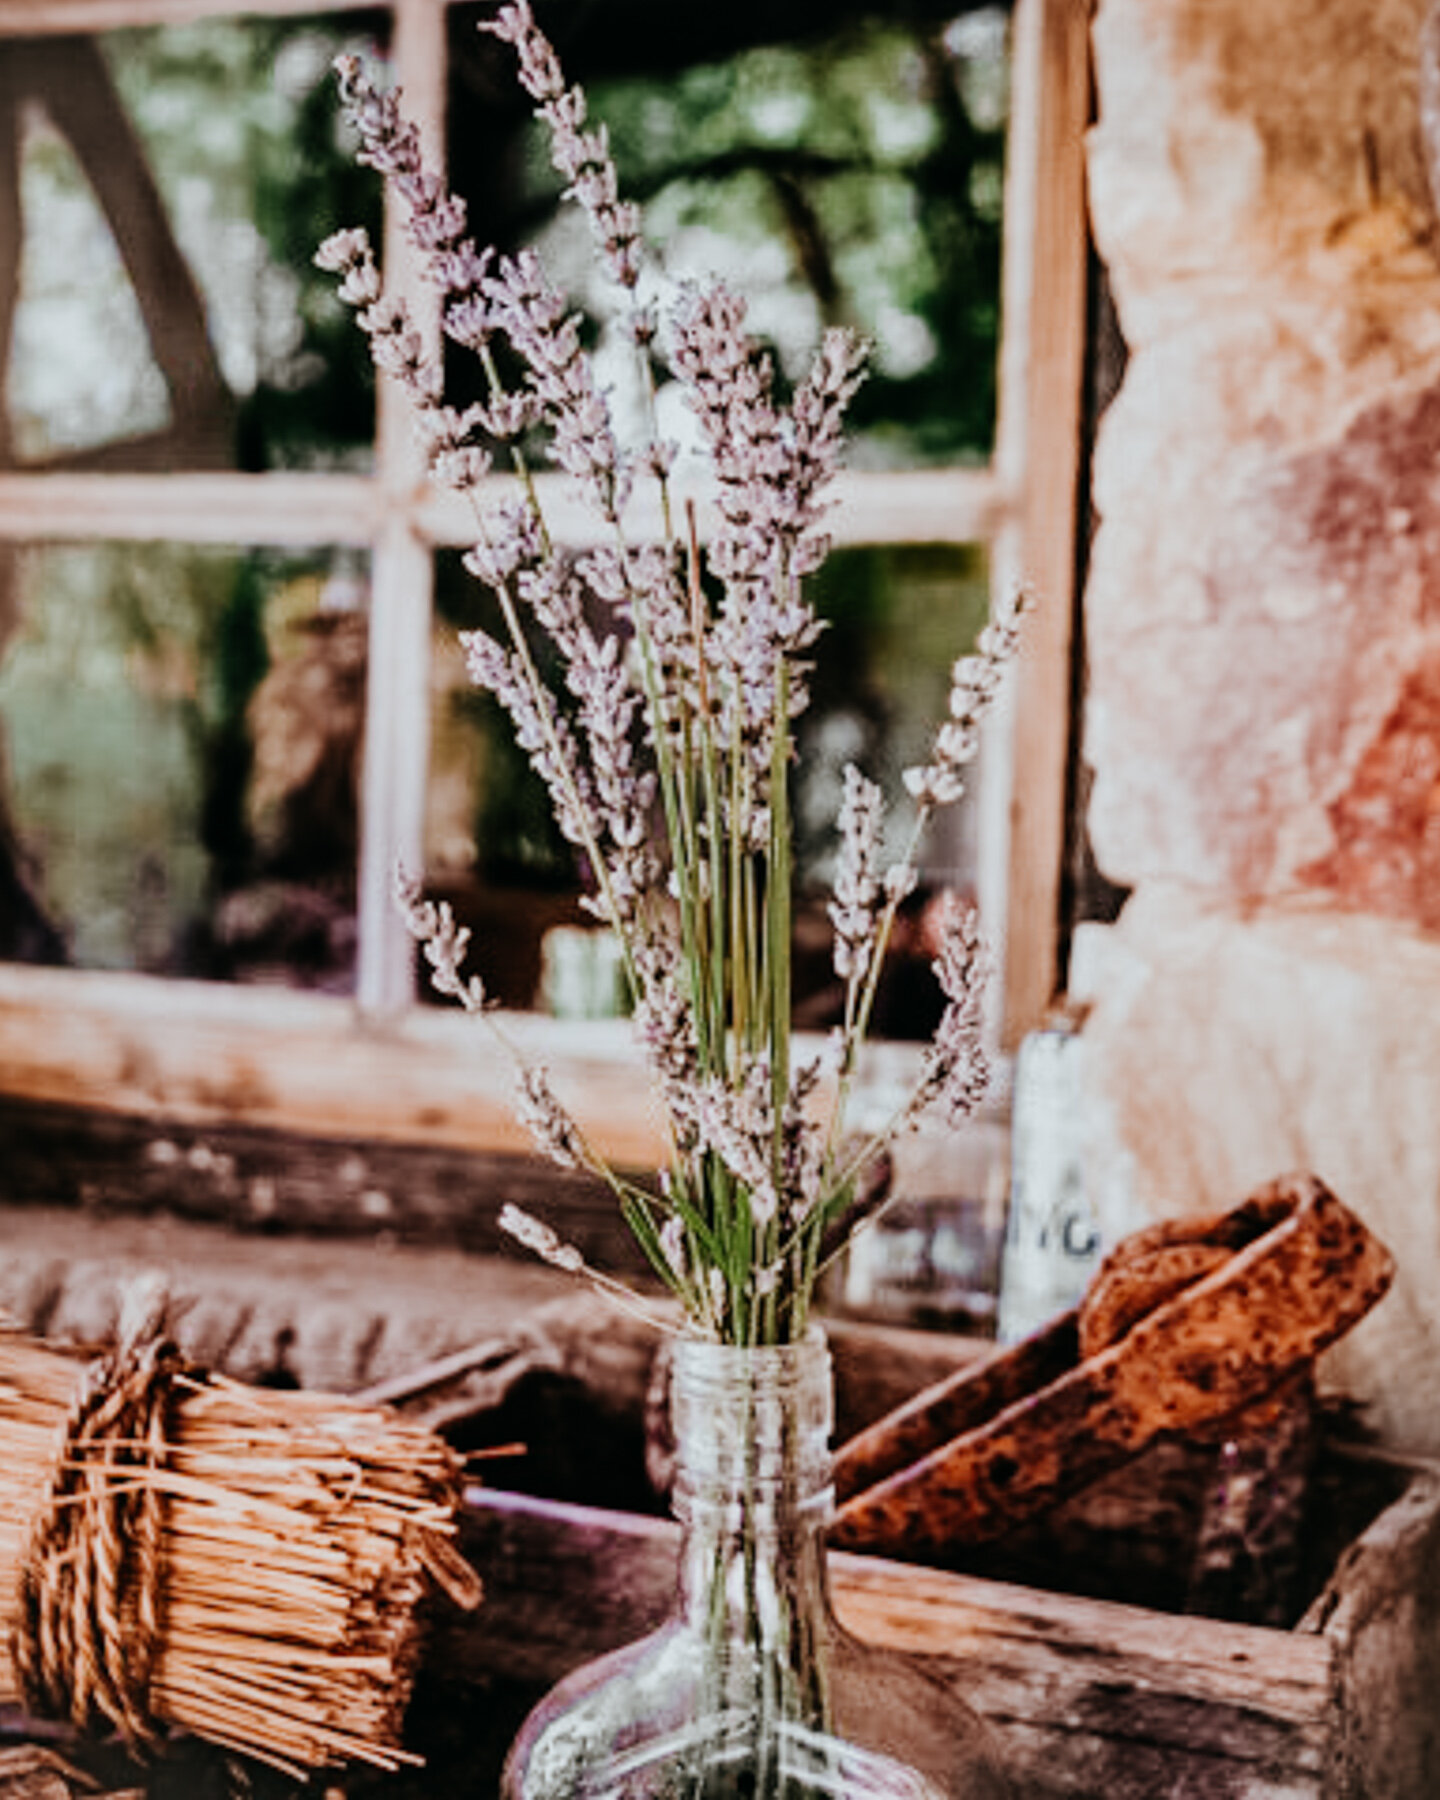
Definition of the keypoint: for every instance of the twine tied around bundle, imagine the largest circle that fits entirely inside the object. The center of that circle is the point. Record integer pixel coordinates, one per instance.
(88, 1626)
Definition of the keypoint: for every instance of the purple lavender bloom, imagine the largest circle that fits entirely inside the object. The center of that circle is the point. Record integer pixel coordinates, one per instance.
(540, 72)
(514, 540)
(444, 942)
(665, 1027)
(582, 157)
(437, 218)
(770, 467)
(855, 910)
(803, 1142)
(675, 694)
(956, 1071)
(974, 682)
(541, 730)
(551, 1127)
(388, 142)
(547, 339)
(737, 1124)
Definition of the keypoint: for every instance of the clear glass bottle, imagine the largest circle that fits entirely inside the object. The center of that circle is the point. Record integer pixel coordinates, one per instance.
(752, 1690)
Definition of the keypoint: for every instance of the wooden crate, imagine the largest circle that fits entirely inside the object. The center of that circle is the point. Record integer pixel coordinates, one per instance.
(1089, 1697)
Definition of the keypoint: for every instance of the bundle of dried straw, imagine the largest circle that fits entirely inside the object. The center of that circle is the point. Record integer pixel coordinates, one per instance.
(245, 1564)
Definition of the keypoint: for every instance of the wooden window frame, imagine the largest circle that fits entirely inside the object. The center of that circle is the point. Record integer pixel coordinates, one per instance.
(379, 1065)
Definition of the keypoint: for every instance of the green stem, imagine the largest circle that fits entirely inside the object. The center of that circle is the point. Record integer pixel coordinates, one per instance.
(777, 958)
(710, 779)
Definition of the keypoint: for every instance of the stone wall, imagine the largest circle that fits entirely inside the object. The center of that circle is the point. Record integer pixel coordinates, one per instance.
(1262, 616)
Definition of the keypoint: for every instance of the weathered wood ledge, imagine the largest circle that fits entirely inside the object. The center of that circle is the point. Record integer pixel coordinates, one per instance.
(1088, 1697)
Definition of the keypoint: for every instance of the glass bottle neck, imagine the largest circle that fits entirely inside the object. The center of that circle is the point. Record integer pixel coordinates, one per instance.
(752, 1483)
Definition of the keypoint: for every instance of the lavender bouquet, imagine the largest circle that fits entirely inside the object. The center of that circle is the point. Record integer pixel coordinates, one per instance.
(667, 751)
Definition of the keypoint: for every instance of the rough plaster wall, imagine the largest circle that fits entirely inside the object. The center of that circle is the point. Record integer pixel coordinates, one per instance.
(1263, 628)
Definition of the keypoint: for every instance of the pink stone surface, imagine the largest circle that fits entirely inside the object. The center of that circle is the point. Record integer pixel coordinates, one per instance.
(1262, 620)
(1386, 857)
(1224, 1048)
(1263, 607)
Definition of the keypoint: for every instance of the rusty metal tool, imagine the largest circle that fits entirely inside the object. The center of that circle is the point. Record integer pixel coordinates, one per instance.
(1184, 1324)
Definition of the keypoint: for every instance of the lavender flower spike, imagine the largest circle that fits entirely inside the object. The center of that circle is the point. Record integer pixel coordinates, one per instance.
(974, 681)
(582, 157)
(444, 942)
(536, 1236)
(534, 317)
(388, 142)
(956, 1071)
(738, 1124)
(855, 910)
(437, 217)
(547, 1121)
(457, 459)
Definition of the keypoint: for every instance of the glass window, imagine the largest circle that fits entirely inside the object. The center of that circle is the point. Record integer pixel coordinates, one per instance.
(850, 175)
(81, 371)
(181, 733)
(896, 618)
(172, 185)
(162, 190)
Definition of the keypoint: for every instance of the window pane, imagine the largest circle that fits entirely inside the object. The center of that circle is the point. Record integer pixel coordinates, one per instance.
(172, 185)
(847, 174)
(178, 789)
(491, 846)
(897, 618)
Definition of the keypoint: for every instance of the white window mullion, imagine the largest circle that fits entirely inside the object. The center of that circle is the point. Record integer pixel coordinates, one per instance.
(908, 506)
(397, 747)
(397, 700)
(37, 18)
(283, 509)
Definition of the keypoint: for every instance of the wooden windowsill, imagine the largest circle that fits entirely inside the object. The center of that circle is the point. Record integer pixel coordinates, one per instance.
(209, 1053)
(203, 1052)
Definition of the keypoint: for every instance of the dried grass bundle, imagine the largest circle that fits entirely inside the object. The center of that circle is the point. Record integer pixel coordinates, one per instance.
(245, 1564)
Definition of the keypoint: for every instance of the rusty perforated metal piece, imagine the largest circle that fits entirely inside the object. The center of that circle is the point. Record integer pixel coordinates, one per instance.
(971, 1458)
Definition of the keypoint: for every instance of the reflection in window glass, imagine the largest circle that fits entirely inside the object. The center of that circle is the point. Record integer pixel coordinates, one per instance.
(173, 185)
(81, 369)
(897, 620)
(897, 617)
(491, 846)
(179, 778)
(851, 176)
